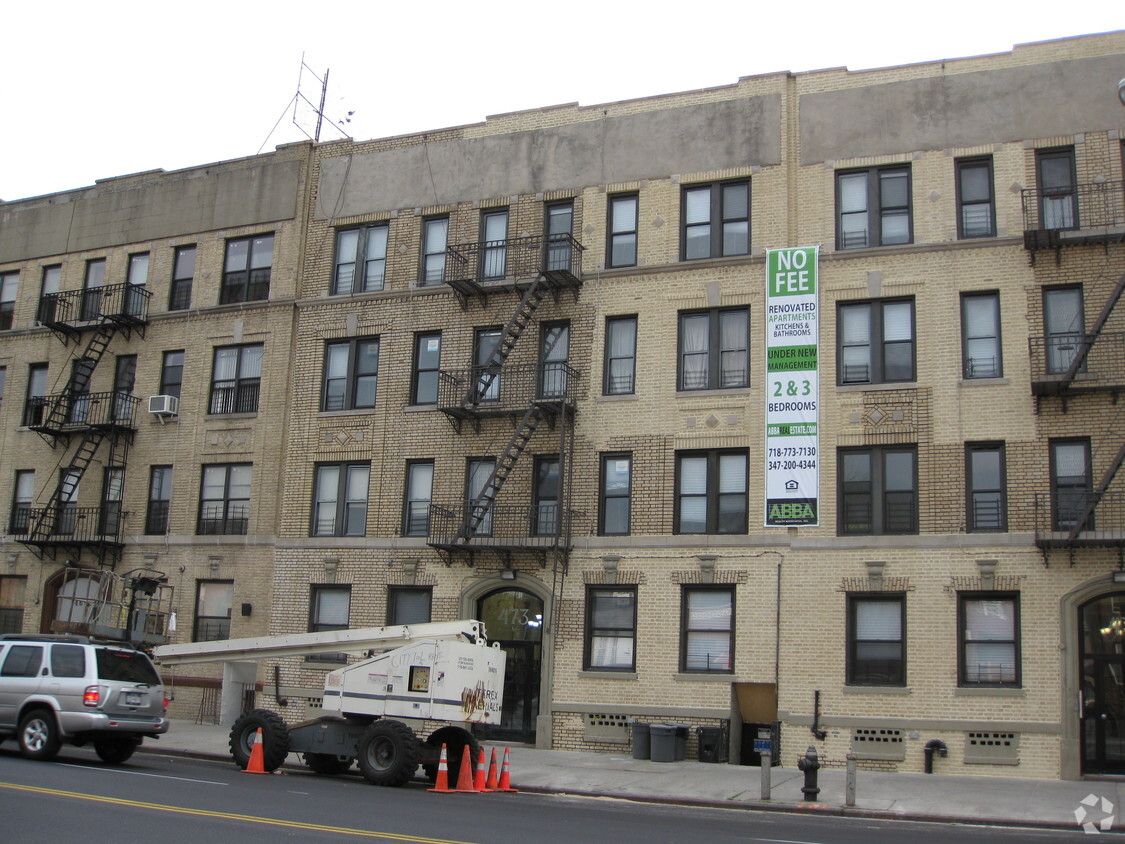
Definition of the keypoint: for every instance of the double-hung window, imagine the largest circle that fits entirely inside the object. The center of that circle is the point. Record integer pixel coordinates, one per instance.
(621, 237)
(113, 489)
(873, 207)
(980, 335)
(876, 341)
(1058, 199)
(12, 588)
(35, 406)
(247, 269)
(558, 224)
(340, 504)
(409, 604)
(617, 491)
(213, 602)
(92, 289)
(159, 500)
(427, 363)
(985, 482)
(611, 628)
(329, 609)
(49, 295)
(9, 284)
(878, 490)
(545, 497)
(620, 356)
(361, 260)
(711, 492)
(494, 243)
(707, 629)
(1070, 483)
(876, 640)
(419, 491)
(486, 373)
(435, 232)
(183, 273)
(172, 373)
(976, 205)
(136, 280)
(351, 374)
(714, 349)
(716, 220)
(478, 516)
(989, 653)
(1064, 317)
(224, 499)
(236, 379)
(22, 497)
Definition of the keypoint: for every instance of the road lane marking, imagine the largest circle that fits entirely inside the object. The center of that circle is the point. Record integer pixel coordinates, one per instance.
(140, 774)
(229, 816)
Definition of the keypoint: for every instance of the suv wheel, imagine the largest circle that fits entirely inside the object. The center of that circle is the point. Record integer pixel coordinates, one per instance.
(114, 750)
(38, 735)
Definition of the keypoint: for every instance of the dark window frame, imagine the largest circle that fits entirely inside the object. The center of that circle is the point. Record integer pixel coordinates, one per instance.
(875, 211)
(179, 290)
(614, 235)
(1061, 347)
(494, 251)
(610, 387)
(429, 277)
(8, 297)
(593, 630)
(19, 522)
(877, 344)
(344, 520)
(712, 495)
(247, 283)
(974, 521)
(546, 510)
(891, 677)
(172, 373)
(159, 499)
(1061, 217)
(227, 524)
(243, 390)
(13, 592)
(34, 408)
(877, 492)
(394, 594)
(557, 249)
(49, 283)
(317, 626)
(1064, 518)
(717, 221)
(604, 496)
(962, 166)
(222, 630)
(416, 524)
(969, 367)
(418, 372)
(963, 680)
(715, 351)
(364, 241)
(686, 631)
(352, 378)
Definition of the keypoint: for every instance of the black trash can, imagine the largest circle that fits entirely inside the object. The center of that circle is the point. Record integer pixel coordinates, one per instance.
(663, 738)
(681, 740)
(712, 744)
(641, 745)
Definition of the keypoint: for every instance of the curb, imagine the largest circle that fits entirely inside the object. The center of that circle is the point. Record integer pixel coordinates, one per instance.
(701, 803)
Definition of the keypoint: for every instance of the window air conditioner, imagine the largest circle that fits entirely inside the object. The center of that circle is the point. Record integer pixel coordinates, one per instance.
(163, 405)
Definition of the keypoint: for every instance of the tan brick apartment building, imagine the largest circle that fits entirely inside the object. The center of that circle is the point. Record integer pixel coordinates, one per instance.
(517, 371)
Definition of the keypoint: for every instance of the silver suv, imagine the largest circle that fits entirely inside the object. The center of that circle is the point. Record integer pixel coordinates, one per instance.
(78, 690)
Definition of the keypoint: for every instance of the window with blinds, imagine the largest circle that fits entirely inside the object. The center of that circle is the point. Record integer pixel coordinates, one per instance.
(989, 625)
(876, 640)
(708, 629)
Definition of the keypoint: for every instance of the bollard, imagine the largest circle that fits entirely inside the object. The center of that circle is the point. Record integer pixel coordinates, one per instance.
(767, 769)
(809, 764)
(849, 788)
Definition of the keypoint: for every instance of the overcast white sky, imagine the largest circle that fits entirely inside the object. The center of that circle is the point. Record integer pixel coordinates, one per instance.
(94, 90)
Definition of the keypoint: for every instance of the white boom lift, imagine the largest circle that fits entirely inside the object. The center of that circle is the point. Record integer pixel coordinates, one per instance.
(442, 672)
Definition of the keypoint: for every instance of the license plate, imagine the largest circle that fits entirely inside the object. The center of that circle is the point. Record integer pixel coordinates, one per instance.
(132, 698)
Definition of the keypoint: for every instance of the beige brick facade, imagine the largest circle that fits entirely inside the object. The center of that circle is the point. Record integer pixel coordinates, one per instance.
(787, 137)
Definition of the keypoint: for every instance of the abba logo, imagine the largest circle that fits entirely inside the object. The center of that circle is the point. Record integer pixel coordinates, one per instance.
(798, 511)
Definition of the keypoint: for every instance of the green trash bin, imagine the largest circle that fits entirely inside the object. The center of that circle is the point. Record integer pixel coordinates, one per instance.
(663, 741)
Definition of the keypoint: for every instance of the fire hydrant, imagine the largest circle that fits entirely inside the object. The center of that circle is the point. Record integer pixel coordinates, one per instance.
(810, 764)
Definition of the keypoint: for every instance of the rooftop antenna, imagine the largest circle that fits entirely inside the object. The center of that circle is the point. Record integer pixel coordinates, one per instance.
(298, 98)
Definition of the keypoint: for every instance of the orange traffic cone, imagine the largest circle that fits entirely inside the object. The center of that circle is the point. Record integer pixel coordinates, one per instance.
(478, 783)
(441, 784)
(465, 773)
(505, 776)
(256, 764)
(491, 784)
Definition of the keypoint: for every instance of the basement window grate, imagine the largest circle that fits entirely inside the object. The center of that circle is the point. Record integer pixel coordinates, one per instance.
(878, 743)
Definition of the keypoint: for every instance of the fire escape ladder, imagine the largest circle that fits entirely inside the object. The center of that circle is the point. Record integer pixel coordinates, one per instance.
(44, 527)
(480, 506)
(79, 381)
(488, 371)
(1091, 338)
(1096, 496)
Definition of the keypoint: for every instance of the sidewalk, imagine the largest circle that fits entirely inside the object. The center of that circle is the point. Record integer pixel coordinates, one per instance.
(936, 797)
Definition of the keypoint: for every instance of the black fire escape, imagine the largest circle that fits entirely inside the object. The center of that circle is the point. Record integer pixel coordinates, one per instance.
(76, 417)
(528, 269)
(1070, 361)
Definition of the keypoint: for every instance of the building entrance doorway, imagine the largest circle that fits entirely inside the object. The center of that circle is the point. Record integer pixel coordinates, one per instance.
(514, 618)
(1102, 631)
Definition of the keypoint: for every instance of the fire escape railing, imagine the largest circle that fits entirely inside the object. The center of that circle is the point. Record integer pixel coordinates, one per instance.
(1079, 518)
(1074, 214)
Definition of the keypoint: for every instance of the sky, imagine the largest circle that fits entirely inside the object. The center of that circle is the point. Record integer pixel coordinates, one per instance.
(96, 90)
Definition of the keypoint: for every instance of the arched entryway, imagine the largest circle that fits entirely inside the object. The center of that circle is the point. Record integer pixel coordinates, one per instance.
(514, 618)
(1101, 632)
(70, 599)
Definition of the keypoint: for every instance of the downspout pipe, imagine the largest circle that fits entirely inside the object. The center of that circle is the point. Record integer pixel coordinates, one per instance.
(931, 746)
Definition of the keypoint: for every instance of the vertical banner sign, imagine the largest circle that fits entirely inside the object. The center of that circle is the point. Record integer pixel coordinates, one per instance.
(792, 387)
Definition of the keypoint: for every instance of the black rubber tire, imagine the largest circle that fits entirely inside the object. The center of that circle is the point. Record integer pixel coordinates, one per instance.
(275, 738)
(39, 735)
(455, 739)
(389, 753)
(327, 764)
(114, 750)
